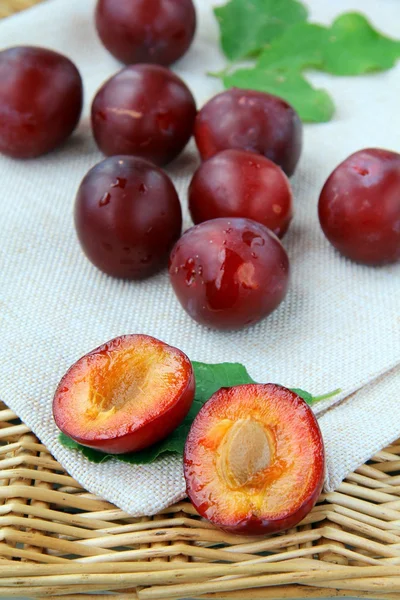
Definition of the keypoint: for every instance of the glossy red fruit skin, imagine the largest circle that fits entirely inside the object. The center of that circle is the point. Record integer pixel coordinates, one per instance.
(250, 120)
(359, 207)
(146, 31)
(41, 97)
(127, 217)
(146, 111)
(134, 434)
(229, 273)
(236, 183)
(251, 524)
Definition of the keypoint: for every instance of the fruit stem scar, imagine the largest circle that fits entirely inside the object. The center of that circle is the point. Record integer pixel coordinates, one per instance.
(244, 452)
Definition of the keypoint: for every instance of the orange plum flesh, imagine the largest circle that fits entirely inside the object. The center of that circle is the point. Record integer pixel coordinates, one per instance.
(254, 459)
(125, 395)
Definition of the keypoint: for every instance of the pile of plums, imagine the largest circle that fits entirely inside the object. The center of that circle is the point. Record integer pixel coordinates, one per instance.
(229, 270)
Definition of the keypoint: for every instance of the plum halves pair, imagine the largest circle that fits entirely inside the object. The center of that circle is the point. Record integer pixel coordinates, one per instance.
(254, 456)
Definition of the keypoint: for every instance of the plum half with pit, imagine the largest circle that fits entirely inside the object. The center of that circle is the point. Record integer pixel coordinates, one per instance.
(146, 111)
(236, 183)
(146, 31)
(254, 459)
(127, 217)
(359, 207)
(250, 120)
(41, 97)
(229, 273)
(126, 395)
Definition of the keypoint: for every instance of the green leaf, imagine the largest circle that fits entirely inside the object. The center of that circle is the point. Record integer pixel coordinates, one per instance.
(355, 47)
(286, 44)
(312, 105)
(212, 377)
(209, 379)
(299, 47)
(307, 397)
(310, 399)
(92, 455)
(351, 46)
(327, 396)
(248, 25)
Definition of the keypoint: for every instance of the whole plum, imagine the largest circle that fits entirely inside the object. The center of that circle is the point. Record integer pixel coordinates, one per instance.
(127, 217)
(144, 110)
(41, 98)
(146, 31)
(229, 273)
(359, 207)
(236, 183)
(250, 120)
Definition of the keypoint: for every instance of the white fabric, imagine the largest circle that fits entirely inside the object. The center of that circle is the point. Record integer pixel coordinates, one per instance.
(339, 326)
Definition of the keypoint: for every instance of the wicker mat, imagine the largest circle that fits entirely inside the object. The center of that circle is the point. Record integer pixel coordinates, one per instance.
(57, 539)
(8, 7)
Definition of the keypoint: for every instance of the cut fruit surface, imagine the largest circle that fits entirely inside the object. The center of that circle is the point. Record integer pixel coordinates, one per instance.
(254, 459)
(125, 395)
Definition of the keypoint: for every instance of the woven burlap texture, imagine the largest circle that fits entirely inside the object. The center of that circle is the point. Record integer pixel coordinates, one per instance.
(338, 327)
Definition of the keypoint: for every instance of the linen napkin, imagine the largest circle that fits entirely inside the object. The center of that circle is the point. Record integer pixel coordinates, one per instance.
(338, 327)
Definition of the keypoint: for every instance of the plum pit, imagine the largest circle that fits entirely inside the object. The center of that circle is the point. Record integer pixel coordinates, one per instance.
(244, 452)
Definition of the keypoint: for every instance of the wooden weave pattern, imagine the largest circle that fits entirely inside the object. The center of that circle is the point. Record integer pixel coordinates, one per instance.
(9, 7)
(57, 539)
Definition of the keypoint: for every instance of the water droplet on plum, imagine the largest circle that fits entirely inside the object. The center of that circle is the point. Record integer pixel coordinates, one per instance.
(252, 239)
(189, 267)
(164, 122)
(120, 182)
(105, 199)
(361, 171)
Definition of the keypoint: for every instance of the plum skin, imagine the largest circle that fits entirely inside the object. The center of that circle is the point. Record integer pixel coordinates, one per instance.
(146, 111)
(127, 217)
(236, 183)
(250, 120)
(359, 207)
(141, 435)
(146, 31)
(41, 96)
(228, 273)
(251, 524)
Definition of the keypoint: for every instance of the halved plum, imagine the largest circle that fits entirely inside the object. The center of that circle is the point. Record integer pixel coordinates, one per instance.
(254, 459)
(125, 395)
